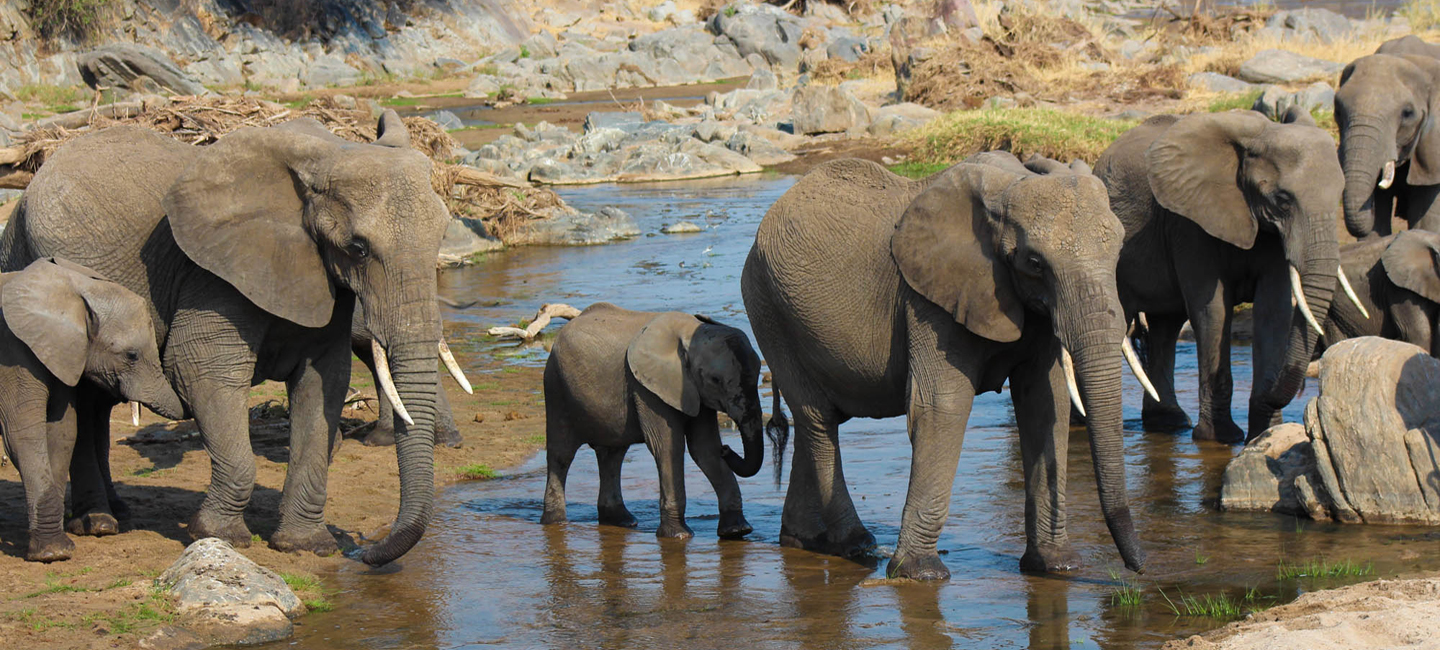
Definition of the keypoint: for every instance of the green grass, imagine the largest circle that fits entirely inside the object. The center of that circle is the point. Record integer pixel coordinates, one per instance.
(540, 101)
(1219, 606)
(51, 95)
(1321, 568)
(1201, 559)
(912, 169)
(486, 385)
(401, 101)
(318, 604)
(154, 610)
(120, 583)
(300, 582)
(524, 52)
(147, 472)
(1234, 101)
(78, 19)
(302, 102)
(537, 439)
(1022, 131)
(54, 586)
(480, 127)
(310, 590)
(477, 472)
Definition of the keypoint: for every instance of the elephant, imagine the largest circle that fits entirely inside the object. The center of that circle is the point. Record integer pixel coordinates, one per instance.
(872, 295)
(1385, 108)
(383, 434)
(1397, 280)
(1220, 209)
(617, 377)
(253, 253)
(60, 323)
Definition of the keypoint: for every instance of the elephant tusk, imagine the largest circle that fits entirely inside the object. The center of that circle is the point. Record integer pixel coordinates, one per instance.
(1297, 293)
(1144, 324)
(1069, 366)
(454, 368)
(1350, 292)
(387, 385)
(1387, 176)
(1134, 360)
(135, 413)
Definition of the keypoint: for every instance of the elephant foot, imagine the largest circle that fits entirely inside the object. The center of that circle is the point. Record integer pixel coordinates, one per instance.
(230, 529)
(733, 525)
(1164, 418)
(95, 524)
(791, 539)
(120, 510)
(1226, 432)
(294, 539)
(447, 436)
(917, 567)
(56, 548)
(674, 530)
(857, 543)
(1050, 560)
(617, 516)
(554, 516)
(379, 438)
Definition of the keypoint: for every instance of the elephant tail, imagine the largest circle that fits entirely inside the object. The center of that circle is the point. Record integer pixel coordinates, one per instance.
(778, 430)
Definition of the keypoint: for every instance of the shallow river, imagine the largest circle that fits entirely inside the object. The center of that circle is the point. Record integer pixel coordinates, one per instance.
(488, 574)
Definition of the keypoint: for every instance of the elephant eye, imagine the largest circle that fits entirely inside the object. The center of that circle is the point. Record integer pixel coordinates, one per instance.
(358, 249)
(1408, 113)
(132, 356)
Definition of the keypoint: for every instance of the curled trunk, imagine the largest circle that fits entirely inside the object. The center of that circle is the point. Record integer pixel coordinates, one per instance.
(751, 433)
(413, 369)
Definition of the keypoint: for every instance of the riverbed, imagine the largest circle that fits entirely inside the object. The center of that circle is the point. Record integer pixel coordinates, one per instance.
(489, 575)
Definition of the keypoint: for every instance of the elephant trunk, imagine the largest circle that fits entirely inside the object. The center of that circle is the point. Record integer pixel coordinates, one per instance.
(1364, 152)
(1093, 338)
(751, 423)
(413, 373)
(162, 400)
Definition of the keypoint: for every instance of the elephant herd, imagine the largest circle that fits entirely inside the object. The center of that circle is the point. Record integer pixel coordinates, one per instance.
(272, 252)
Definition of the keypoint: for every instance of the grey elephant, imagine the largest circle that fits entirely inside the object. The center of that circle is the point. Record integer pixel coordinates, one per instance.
(1397, 281)
(874, 296)
(383, 434)
(59, 324)
(252, 253)
(1220, 209)
(1385, 108)
(617, 377)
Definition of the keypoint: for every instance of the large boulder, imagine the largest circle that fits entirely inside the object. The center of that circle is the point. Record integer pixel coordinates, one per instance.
(1320, 25)
(1284, 66)
(118, 65)
(762, 29)
(225, 598)
(1373, 438)
(827, 109)
(1274, 101)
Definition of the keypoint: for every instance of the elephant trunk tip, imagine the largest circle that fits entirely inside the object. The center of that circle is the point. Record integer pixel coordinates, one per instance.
(743, 467)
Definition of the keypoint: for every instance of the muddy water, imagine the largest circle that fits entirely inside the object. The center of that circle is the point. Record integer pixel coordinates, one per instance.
(488, 574)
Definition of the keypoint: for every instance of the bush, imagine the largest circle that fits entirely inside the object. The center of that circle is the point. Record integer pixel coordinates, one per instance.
(75, 19)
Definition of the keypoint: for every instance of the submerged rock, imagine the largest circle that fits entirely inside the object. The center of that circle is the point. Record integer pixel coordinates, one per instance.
(681, 227)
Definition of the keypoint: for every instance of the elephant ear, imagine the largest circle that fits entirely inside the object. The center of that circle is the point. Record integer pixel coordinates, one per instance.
(239, 213)
(1425, 160)
(946, 246)
(1297, 114)
(1194, 171)
(45, 310)
(391, 131)
(656, 357)
(1413, 262)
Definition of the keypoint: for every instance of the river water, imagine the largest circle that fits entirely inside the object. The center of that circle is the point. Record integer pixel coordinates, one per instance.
(489, 575)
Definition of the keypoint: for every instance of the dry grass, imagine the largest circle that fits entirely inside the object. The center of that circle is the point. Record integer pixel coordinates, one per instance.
(1055, 134)
(873, 64)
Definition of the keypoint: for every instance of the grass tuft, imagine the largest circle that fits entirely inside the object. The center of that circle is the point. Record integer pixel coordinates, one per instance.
(477, 472)
(1217, 606)
(1233, 101)
(1322, 568)
(912, 169)
(1022, 131)
(1422, 14)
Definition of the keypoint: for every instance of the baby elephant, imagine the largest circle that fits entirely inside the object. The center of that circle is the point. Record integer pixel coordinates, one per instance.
(59, 323)
(618, 377)
(1397, 278)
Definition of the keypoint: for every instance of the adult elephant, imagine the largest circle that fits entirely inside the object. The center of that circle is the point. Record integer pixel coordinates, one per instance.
(1397, 280)
(362, 345)
(252, 253)
(1221, 209)
(1389, 146)
(874, 296)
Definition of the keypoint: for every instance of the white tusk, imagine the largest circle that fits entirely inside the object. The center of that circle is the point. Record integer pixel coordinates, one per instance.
(1140, 316)
(1350, 291)
(1134, 360)
(1387, 176)
(135, 413)
(1069, 367)
(454, 368)
(387, 385)
(1297, 294)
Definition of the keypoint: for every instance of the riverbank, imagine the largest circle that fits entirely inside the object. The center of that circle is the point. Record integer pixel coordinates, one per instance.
(101, 598)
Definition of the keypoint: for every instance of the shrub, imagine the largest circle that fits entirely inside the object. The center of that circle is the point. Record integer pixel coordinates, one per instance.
(75, 19)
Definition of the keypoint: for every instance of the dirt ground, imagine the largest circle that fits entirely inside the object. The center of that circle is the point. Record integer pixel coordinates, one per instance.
(1378, 614)
(101, 598)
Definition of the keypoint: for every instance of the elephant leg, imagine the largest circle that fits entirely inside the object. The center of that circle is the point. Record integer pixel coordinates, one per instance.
(664, 432)
(801, 525)
(223, 421)
(94, 504)
(1210, 307)
(1274, 325)
(1037, 388)
(611, 503)
(1166, 414)
(317, 395)
(703, 440)
(821, 481)
(446, 433)
(560, 448)
(41, 452)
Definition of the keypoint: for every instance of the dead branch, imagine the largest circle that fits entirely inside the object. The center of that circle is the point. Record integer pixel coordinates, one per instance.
(542, 318)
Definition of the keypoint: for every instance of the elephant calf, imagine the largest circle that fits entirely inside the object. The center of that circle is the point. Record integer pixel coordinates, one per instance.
(60, 323)
(618, 377)
(1397, 279)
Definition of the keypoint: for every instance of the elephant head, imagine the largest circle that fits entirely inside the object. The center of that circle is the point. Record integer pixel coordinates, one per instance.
(1385, 108)
(1412, 262)
(293, 216)
(79, 324)
(995, 248)
(1237, 173)
(693, 362)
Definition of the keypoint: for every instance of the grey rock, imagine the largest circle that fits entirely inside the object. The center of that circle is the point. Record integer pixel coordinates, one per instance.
(541, 46)
(827, 109)
(212, 573)
(612, 119)
(1283, 66)
(1262, 477)
(847, 48)
(483, 85)
(118, 64)
(681, 227)
(1275, 100)
(1321, 25)
(447, 120)
(580, 229)
(897, 118)
(761, 29)
(1217, 83)
(329, 70)
(710, 131)
(762, 79)
(465, 237)
(758, 149)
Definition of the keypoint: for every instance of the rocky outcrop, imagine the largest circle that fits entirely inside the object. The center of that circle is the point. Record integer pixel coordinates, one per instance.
(122, 65)
(224, 598)
(828, 109)
(762, 29)
(1369, 451)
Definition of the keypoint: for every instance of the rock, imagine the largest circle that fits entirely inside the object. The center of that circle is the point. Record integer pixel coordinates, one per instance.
(1374, 440)
(761, 29)
(1282, 66)
(1217, 83)
(758, 149)
(541, 46)
(846, 48)
(896, 118)
(447, 120)
(579, 229)
(225, 598)
(906, 54)
(329, 70)
(612, 119)
(827, 109)
(710, 131)
(956, 14)
(681, 228)
(465, 237)
(1275, 101)
(118, 64)
(1321, 25)
(762, 79)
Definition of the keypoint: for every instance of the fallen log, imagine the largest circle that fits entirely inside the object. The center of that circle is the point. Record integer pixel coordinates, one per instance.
(542, 318)
(477, 178)
(14, 179)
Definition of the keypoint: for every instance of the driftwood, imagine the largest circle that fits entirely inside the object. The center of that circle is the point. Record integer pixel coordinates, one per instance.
(542, 318)
(14, 179)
